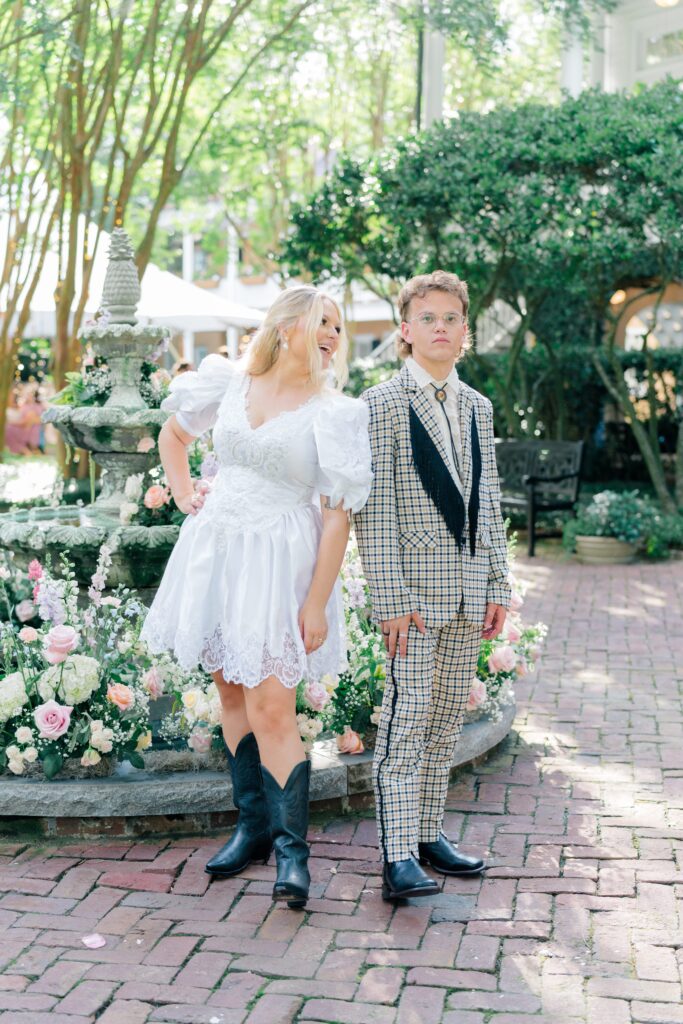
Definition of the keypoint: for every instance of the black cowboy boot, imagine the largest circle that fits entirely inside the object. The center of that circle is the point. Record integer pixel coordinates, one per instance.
(251, 839)
(443, 856)
(288, 810)
(402, 879)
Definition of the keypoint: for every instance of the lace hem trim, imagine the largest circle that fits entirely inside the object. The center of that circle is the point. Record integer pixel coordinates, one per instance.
(251, 663)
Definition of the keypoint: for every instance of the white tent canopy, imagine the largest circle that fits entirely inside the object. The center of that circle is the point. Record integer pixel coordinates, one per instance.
(166, 300)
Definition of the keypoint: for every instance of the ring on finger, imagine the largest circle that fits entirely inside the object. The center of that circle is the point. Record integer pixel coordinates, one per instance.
(403, 634)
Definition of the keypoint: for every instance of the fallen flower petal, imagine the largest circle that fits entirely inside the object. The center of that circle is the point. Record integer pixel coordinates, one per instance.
(94, 941)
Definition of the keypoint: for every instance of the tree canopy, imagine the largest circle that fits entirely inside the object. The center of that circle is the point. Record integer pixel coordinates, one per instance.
(551, 209)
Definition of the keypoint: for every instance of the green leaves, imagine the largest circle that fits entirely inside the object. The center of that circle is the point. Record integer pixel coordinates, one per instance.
(52, 761)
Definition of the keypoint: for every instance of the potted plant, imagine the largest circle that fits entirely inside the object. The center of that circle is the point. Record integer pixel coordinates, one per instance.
(612, 529)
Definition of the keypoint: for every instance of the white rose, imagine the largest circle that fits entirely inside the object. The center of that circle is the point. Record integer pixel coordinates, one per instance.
(30, 754)
(13, 696)
(16, 766)
(24, 734)
(133, 487)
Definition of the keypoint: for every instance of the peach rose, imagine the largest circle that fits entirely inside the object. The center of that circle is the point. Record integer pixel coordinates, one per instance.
(156, 496)
(478, 694)
(121, 695)
(503, 659)
(52, 719)
(59, 643)
(90, 757)
(350, 742)
(28, 634)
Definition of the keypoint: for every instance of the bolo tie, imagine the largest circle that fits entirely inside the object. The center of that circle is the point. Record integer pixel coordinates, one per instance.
(440, 396)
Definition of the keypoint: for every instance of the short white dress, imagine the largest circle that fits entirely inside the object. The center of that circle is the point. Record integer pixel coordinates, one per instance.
(242, 567)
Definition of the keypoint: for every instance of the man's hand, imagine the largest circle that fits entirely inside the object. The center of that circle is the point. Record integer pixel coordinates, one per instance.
(494, 620)
(395, 632)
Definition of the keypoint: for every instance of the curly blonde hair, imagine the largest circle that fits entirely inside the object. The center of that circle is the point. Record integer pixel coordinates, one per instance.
(420, 286)
(292, 304)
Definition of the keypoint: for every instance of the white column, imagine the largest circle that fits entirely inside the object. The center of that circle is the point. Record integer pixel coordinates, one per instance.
(571, 74)
(231, 275)
(432, 76)
(188, 275)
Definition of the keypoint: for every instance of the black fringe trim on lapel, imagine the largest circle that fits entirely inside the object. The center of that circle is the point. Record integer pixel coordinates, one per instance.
(437, 480)
(473, 506)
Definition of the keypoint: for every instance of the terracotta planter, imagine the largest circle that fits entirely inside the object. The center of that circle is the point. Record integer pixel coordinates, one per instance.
(604, 551)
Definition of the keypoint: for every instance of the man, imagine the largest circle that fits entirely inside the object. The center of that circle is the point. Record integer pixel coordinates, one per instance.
(433, 547)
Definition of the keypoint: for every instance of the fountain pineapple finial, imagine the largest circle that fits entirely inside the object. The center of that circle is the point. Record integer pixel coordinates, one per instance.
(121, 292)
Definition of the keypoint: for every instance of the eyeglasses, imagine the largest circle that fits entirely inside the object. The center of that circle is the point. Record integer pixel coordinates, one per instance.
(451, 319)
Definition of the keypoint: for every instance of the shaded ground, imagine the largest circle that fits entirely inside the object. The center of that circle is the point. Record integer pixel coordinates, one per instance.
(578, 919)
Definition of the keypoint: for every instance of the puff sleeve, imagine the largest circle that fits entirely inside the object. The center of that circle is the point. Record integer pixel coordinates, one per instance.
(196, 395)
(343, 448)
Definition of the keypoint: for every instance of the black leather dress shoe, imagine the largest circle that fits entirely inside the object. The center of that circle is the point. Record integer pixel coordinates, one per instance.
(444, 857)
(404, 878)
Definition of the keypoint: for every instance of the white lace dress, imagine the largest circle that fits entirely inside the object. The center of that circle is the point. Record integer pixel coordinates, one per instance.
(241, 569)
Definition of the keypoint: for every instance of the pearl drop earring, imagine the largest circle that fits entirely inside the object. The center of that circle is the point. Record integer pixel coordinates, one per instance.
(284, 343)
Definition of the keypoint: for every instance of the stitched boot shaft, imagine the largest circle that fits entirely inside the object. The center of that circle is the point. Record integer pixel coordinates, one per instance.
(288, 810)
(251, 840)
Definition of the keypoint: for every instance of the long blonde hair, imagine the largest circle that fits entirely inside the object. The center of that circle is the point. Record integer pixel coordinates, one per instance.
(293, 303)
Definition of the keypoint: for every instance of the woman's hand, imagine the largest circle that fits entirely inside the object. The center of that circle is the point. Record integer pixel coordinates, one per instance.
(193, 501)
(312, 626)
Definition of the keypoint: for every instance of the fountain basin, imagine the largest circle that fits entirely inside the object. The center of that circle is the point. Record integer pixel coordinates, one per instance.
(140, 552)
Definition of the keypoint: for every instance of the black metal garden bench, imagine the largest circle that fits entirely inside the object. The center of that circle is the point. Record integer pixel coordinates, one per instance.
(539, 476)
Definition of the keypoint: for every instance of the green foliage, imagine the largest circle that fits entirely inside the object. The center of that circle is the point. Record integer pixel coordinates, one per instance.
(626, 516)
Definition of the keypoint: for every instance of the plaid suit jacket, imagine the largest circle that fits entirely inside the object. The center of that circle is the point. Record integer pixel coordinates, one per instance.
(410, 559)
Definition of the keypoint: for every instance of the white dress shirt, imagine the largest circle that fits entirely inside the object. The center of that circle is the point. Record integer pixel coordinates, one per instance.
(426, 382)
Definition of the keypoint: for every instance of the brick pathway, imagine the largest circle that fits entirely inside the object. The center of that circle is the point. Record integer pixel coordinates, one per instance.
(578, 919)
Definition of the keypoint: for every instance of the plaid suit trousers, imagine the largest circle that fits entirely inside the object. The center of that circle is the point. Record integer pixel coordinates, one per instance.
(425, 698)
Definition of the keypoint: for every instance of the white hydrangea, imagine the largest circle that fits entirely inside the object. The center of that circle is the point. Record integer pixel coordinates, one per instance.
(13, 696)
(80, 677)
(127, 510)
(133, 487)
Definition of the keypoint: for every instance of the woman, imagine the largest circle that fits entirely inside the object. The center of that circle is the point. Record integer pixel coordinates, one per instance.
(250, 591)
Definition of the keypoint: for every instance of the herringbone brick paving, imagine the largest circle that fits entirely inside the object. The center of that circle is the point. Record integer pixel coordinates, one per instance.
(578, 920)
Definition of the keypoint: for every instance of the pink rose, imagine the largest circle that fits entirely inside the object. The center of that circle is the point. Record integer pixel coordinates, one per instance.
(59, 643)
(516, 601)
(521, 668)
(200, 741)
(503, 659)
(511, 632)
(52, 719)
(350, 742)
(25, 610)
(121, 696)
(28, 634)
(316, 695)
(35, 570)
(156, 496)
(145, 444)
(478, 694)
(153, 682)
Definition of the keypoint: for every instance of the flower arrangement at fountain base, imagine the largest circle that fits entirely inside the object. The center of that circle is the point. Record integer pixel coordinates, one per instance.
(59, 704)
(349, 707)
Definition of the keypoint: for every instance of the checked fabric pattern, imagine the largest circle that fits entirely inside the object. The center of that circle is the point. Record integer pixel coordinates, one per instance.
(410, 559)
(424, 701)
(412, 563)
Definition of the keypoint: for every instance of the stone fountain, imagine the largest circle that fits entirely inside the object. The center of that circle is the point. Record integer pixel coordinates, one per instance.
(121, 438)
